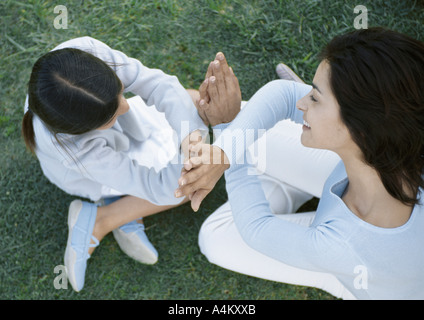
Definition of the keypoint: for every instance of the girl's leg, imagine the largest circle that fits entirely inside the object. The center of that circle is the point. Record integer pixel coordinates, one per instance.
(122, 211)
(151, 145)
(130, 208)
(155, 152)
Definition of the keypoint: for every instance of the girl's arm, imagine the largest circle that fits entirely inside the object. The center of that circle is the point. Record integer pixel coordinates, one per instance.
(95, 157)
(98, 162)
(152, 85)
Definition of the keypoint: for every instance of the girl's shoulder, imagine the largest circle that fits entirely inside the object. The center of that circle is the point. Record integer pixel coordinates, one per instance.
(82, 43)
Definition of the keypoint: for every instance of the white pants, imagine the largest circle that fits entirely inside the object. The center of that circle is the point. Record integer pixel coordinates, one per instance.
(156, 151)
(293, 174)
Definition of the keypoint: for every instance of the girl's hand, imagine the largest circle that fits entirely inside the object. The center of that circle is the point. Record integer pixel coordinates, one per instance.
(201, 173)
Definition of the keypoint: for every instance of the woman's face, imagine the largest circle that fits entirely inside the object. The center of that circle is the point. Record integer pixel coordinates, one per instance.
(323, 127)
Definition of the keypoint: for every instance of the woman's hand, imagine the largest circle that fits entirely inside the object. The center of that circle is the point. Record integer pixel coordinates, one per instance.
(219, 102)
(201, 172)
(220, 95)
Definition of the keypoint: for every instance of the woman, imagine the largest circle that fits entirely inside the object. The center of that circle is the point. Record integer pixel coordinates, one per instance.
(122, 154)
(362, 153)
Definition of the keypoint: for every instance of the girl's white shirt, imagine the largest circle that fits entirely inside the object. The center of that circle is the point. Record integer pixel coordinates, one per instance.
(86, 164)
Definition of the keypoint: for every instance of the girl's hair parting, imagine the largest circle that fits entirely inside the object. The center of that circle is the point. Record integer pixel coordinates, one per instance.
(72, 92)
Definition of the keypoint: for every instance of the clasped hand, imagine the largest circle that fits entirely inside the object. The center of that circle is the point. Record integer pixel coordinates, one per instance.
(220, 95)
(219, 102)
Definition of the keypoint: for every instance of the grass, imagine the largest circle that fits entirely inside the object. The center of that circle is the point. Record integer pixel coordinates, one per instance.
(179, 37)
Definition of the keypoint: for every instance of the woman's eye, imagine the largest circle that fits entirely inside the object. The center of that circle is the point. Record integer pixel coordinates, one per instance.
(312, 98)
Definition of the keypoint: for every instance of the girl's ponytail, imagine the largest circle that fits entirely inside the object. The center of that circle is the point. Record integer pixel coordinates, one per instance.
(71, 92)
(28, 131)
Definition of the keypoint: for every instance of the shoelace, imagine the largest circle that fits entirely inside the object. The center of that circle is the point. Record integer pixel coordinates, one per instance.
(83, 248)
(133, 226)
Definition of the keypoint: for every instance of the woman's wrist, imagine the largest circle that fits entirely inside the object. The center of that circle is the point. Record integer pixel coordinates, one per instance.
(191, 139)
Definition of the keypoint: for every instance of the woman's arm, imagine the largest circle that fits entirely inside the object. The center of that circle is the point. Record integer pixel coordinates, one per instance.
(313, 248)
(273, 102)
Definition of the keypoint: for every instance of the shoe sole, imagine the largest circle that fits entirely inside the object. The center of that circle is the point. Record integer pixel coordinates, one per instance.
(70, 254)
(283, 71)
(127, 243)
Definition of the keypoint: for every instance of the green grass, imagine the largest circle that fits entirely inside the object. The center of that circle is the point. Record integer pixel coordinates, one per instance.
(179, 37)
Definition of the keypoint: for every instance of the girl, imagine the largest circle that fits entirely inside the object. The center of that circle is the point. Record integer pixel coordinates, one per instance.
(93, 143)
(360, 150)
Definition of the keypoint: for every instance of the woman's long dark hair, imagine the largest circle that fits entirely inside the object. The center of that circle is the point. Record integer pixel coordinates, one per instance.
(377, 77)
(72, 92)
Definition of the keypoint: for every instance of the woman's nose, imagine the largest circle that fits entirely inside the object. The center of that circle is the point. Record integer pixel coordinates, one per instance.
(301, 105)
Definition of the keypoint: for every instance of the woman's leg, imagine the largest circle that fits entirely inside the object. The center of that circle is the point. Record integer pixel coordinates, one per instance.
(291, 175)
(221, 243)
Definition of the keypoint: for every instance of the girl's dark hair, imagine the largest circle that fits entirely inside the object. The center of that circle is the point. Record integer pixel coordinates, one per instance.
(377, 77)
(72, 92)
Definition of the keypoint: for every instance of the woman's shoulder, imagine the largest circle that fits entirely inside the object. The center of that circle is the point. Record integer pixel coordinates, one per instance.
(338, 174)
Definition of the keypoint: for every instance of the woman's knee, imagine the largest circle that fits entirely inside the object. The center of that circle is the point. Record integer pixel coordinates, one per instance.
(213, 233)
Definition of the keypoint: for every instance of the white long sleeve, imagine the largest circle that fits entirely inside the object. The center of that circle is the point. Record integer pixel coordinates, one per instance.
(154, 86)
(387, 261)
(100, 158)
